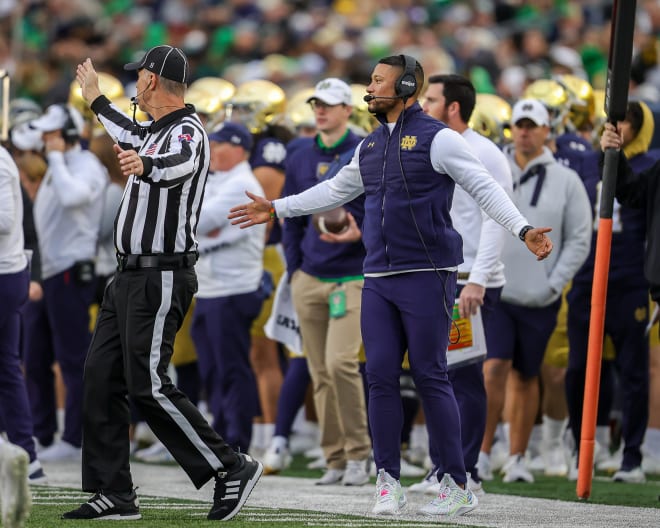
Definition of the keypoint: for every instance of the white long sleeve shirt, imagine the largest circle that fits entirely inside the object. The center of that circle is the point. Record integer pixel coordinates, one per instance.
(106, 255)
(449, 154)
(483, 237)
(12, 247)
(231, 258)
(68, 209)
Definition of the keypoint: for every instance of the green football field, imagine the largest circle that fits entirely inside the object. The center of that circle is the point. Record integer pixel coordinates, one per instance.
(640, 502)
(603, 491)
(49, 503)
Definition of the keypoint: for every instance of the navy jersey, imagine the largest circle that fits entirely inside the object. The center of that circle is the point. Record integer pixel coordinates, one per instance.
(294, 144)
(576, 153)
(570, 144)
(628, 234)
(268, 152)
(306, 166)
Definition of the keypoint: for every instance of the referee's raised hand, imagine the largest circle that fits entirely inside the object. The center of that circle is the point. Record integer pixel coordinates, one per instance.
(258, 211)
(88, 80)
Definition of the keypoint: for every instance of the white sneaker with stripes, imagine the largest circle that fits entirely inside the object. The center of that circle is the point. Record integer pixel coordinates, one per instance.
(451, 501)
(390, 499)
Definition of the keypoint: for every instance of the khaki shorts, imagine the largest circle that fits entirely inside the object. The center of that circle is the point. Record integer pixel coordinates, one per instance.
(184, 348)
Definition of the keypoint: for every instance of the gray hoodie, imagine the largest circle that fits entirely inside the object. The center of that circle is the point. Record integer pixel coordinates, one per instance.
(554, 196)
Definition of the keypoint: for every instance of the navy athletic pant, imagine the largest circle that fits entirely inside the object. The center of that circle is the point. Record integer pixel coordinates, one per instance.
(65, 318)
(14, 407)
(625, 322)
(411, 311)
(38, 357)
(468, 383)
(221, 333)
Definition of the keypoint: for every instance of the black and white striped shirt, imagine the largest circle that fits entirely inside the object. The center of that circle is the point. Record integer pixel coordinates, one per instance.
(159, 209)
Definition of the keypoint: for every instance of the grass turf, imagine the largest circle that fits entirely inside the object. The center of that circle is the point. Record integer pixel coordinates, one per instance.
(49, 503)
(603, 490)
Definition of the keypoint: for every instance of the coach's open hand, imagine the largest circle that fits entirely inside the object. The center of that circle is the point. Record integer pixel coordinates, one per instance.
(249, 214)
(538, 243)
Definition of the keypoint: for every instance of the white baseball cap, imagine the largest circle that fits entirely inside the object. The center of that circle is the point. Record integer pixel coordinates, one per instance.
(60, 117)
(332, 91)
(24, 137)
(531, 109)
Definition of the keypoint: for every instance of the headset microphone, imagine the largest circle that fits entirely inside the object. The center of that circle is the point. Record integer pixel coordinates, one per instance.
(142, 130)
(367, 98)
(134, 99)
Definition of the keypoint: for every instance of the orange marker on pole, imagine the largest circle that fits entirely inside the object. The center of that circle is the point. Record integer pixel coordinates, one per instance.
(616, 101)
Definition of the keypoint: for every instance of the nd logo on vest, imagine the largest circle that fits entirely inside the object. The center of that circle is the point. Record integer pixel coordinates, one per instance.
(408, 142)
(321, 169)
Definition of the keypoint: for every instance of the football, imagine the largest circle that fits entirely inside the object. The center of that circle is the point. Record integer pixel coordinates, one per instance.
(332, 221)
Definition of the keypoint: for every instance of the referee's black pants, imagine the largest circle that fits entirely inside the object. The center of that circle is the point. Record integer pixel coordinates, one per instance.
(129, 355)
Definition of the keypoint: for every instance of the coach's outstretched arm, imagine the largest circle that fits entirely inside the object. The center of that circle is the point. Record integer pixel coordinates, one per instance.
(258, 211)
(538, 243)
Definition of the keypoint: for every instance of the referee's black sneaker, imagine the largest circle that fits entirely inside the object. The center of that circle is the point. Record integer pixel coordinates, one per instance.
(233, 486)
(107, 506)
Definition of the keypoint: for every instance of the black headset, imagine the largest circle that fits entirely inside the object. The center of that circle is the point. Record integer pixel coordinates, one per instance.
(406, 84)
(69, 130)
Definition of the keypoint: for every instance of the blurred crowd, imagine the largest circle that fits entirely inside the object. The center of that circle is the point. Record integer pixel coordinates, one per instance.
(500, 44)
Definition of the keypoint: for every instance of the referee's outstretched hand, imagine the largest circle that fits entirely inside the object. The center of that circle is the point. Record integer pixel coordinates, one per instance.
(249, 214)
(538, 243)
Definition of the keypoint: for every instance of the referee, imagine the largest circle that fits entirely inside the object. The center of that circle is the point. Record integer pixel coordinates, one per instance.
(166, 161)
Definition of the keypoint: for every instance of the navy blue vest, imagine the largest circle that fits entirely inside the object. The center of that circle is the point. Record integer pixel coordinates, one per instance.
(406, 222)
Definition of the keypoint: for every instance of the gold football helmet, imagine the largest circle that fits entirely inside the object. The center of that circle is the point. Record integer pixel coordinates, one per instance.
(208, 95)
(491, 117)
(582, 106)
(361, 118)
(299, 113)
(256, 104)
(110, 86)
(556, 99)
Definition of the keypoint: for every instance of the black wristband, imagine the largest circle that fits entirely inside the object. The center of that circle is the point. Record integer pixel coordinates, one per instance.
(523, 232)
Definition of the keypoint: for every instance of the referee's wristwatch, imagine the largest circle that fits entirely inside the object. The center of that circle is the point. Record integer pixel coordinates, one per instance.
(523, 232)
